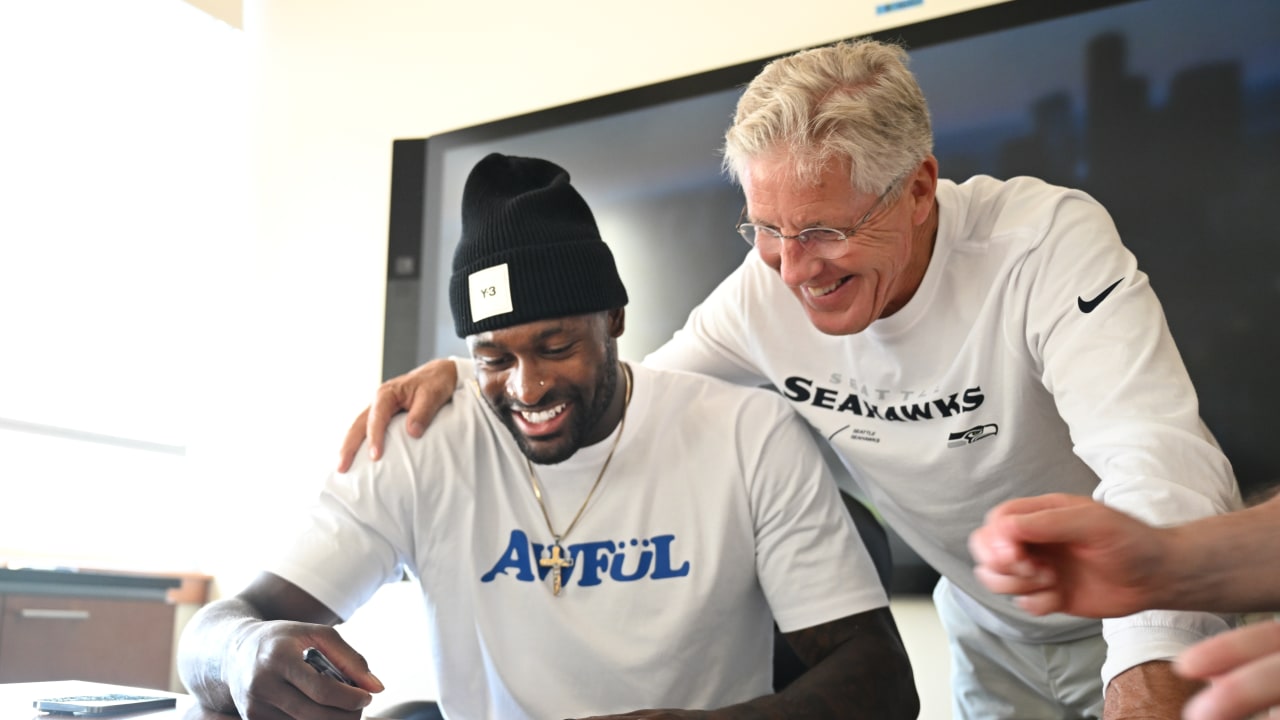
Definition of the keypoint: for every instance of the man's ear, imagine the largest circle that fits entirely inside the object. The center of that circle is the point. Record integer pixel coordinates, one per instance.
(617, 322)
(923, 188)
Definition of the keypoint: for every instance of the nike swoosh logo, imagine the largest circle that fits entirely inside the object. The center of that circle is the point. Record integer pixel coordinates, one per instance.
(1087, 306)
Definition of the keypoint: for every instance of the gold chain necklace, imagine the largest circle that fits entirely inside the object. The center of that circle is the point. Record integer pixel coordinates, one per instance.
(558, 560)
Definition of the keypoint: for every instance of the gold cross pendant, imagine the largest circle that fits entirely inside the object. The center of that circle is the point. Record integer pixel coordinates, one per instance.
(555, 562)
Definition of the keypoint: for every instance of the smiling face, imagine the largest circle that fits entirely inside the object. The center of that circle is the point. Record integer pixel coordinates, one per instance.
(553, 383)
(885, 260)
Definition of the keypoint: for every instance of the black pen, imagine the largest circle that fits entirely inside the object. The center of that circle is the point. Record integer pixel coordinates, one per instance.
(317, 660)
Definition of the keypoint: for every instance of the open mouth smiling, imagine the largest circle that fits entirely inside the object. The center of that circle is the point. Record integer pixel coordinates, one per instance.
(537, 417)
(819, 291)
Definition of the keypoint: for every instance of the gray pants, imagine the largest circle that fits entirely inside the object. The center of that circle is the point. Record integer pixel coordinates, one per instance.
(994, 678)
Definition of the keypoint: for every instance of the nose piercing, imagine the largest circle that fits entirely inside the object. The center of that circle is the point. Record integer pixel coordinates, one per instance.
(542, 383)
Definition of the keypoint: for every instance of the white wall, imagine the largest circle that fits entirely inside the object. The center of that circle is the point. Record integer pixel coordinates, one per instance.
(122, 161)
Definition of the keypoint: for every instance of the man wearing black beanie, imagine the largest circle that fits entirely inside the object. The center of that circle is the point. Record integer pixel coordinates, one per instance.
(591, 537)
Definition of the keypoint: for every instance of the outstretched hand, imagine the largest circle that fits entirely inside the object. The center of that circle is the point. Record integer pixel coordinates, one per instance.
(421, 391)
(1242, 668)
(1071, 554)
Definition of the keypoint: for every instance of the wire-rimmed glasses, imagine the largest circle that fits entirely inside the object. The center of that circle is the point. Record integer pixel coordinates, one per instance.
(824, 242)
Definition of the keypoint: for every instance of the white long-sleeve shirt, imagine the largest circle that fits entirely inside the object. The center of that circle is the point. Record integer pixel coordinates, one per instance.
(1033, 358)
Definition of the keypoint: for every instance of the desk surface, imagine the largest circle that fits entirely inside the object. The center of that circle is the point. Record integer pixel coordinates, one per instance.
(16, 701)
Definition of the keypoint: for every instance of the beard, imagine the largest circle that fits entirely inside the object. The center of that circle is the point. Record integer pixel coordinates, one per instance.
(581, 424)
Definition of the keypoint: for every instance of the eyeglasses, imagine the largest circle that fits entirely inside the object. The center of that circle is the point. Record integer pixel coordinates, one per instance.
(824, 242)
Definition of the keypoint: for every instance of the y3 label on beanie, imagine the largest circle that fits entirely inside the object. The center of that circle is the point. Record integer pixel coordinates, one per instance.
(490, 292)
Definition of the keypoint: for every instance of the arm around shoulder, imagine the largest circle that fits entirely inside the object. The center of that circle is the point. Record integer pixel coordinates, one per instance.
(421, 392)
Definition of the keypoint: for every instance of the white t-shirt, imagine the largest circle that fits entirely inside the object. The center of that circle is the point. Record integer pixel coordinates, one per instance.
(716, 515)
(1034, 358)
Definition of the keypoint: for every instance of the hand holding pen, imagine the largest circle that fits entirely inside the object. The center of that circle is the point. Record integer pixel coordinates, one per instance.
(324, 666)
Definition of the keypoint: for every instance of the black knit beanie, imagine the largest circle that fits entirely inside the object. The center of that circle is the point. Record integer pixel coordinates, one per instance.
(530, 249)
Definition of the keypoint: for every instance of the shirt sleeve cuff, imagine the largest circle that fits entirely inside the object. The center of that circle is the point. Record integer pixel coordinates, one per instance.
(1154, 635)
